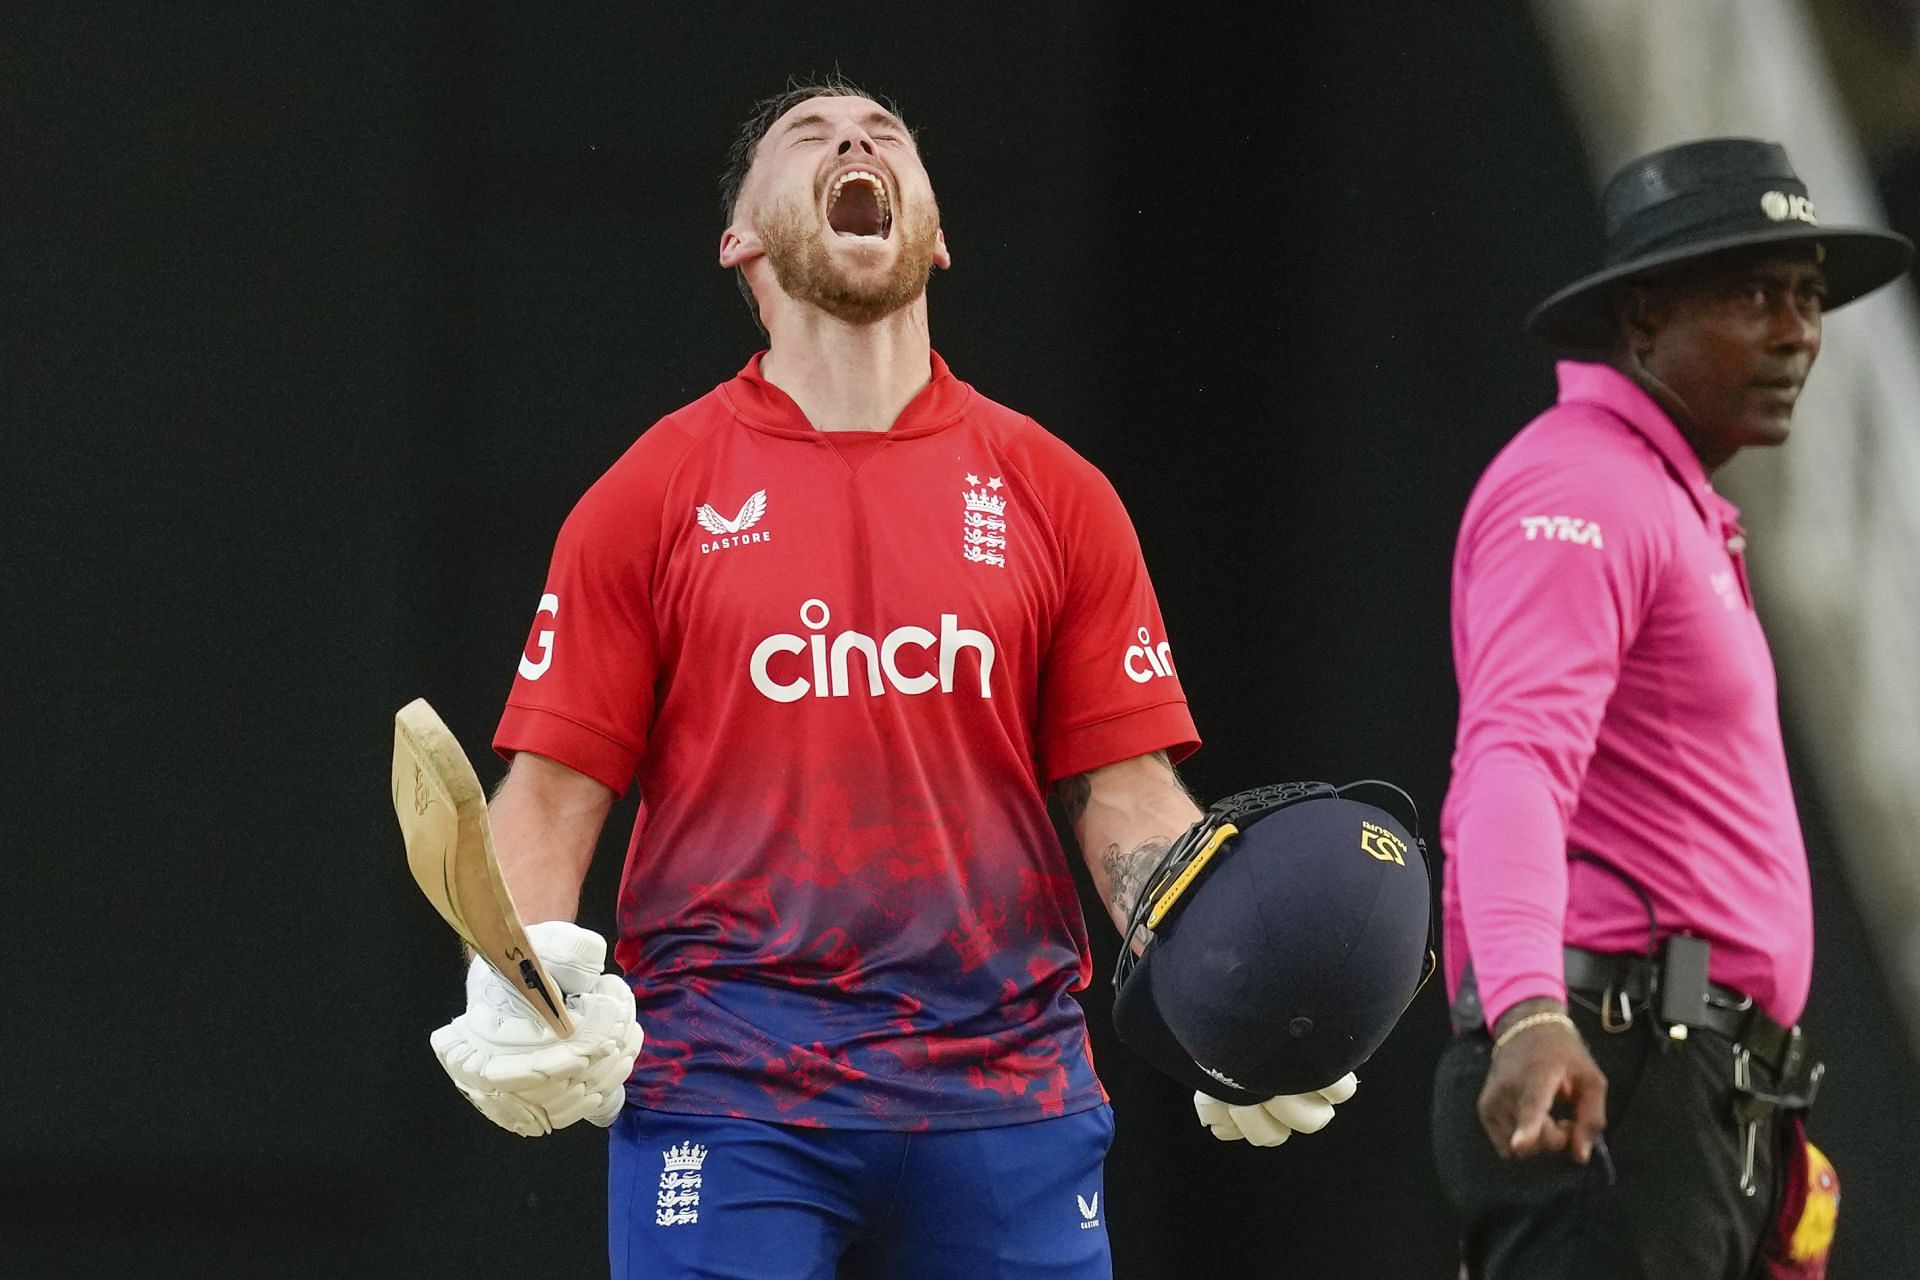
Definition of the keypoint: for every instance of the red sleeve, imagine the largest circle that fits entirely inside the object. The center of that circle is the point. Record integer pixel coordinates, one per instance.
(584, 692)
(1109, 690)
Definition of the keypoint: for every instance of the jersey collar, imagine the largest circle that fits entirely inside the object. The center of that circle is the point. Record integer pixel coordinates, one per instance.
(765, 407)
(1605, 387)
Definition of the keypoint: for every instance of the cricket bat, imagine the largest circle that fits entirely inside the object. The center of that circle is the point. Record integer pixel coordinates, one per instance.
(443, 816)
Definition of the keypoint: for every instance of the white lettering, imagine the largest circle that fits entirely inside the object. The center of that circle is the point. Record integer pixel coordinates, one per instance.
(846, 642)
(919, 638)
(831, 662)
(954, 638)
(1781, 205)
(793, 690)
(530, 668)
(821, 688)
(738, 540)
(1158, 658)
(1572, 529)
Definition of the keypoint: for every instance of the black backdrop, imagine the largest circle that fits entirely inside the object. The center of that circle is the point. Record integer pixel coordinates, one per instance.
(322, 317)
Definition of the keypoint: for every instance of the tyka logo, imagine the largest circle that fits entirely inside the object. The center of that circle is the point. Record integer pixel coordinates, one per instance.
(733, 533)
(1089, 1211)
(879, 658)
(533, 668)
(678, 1203)
(1563, 529)
(1148, 661)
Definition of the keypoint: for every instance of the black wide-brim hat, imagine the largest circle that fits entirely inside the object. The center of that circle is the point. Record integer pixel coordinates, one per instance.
(1288, 963)
(1703, 198)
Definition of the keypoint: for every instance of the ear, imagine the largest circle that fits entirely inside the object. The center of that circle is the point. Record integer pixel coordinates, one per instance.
(941, 258)
(1641, 317)
(739, 244)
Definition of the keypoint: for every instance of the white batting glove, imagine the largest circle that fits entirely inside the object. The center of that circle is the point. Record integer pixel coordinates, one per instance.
(1270, 1123)
(515, 1070)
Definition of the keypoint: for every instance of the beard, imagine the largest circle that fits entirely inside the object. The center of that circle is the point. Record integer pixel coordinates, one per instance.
(807, 272)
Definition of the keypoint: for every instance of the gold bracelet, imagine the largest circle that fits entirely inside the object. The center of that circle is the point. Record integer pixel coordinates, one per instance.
(1535, 1020)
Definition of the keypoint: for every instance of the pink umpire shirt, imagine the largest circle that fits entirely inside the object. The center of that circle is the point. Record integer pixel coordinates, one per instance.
(1616, 696)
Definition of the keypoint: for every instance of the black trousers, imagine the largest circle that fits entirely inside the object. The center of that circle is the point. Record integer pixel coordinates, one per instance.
(1673, 1209)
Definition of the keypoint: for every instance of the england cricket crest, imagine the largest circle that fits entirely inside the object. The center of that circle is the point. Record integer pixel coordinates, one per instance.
(983, 530)
(678, 1203)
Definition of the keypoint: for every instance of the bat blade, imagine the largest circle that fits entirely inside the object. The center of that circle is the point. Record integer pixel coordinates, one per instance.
(443, 817)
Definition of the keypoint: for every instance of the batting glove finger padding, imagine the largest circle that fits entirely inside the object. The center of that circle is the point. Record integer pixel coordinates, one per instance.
(1270, 1123)
(1300, 1112)
(515, 1070)
(1217, 1116)
(1340, 1090)
(1259, 1126)
(509, 1112)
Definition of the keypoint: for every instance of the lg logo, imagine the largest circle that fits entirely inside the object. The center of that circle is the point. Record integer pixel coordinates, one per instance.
(879, 659)
(1148, 661)
(542, 640)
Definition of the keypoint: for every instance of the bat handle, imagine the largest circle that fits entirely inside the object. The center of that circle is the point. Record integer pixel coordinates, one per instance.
(553, 1009)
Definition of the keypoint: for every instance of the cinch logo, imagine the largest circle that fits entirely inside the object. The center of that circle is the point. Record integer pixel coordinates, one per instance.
(1148, 661)
(534, 668)
(1563, 529)
(1382, 844)
(879, 658)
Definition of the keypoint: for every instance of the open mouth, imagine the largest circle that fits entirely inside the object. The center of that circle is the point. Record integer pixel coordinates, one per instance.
(858, 207)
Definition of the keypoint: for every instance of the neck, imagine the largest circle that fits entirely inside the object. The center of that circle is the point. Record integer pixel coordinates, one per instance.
(1669, 400)
(848, 377)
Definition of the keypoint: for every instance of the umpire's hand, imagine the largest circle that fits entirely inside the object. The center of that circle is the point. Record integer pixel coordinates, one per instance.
(1538, 1065)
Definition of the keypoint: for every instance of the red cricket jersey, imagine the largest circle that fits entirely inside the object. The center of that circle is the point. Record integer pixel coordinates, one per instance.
(843, 666)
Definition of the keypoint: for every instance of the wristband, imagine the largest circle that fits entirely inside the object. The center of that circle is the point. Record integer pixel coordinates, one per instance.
(1535, 1020)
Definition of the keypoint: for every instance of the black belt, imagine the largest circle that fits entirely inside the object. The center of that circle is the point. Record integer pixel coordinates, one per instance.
(1616, 984)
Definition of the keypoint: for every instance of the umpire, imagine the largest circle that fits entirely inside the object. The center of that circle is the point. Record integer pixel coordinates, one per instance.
(1628, 927)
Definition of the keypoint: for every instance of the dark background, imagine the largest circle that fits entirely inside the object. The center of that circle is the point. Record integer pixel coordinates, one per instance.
(320, 317)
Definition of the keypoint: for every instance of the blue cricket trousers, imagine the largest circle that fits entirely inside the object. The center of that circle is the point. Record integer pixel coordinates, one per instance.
(717, 1198)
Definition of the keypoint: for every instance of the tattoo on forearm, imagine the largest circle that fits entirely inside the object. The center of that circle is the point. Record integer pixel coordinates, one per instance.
(1128, 872)
(1074, 793)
